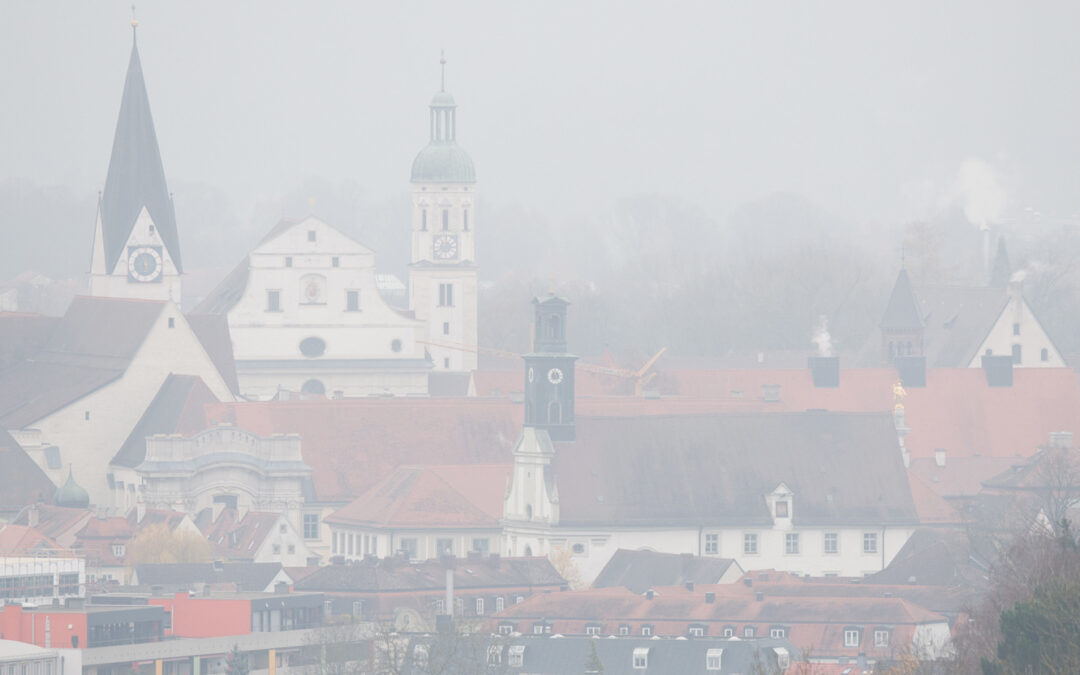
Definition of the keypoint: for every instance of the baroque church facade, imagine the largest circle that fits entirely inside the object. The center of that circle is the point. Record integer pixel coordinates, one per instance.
(306, 311)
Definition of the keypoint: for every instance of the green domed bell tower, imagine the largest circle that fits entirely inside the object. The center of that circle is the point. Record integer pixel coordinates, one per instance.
(443, 273)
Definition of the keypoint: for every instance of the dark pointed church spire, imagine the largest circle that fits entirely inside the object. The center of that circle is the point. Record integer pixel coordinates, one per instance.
(902, 312)
(136, 178)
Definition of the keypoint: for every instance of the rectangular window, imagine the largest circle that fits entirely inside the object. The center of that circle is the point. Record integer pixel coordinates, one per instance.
(881, 638)
(352, 301)
(646, 631)
(311, 526)
(277, 549)
(465, 220)
(500, 604)
(592, 630)
(505, 629)
(358, 608)
(516, 655)
(851, 637)
(778, 633)
(446, 363)
(749, 631)
(335, 262)
(729, 631)
(446, 219)
(288, 261)
(713, 659)
(1016, 329)
(408, 547)
(446, 295)
(172, 322)
(1017, 355)
(538, 629)
(712, 544)
(791, 543)
(782, 509)
(481, 545)
(697, 631)
(624, 629)
(832, 543)
(749, 544)
(440, 606)
(446, 328)
(311, 235)
(273, 301)
(869, 542)
(479, 607)
(641, 658)
(292, 548)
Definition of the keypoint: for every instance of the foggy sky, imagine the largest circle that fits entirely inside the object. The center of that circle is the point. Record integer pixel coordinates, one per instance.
(870, 111)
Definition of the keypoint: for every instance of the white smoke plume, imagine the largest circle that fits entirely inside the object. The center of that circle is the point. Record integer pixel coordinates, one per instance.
(822, 338)
(980, 191)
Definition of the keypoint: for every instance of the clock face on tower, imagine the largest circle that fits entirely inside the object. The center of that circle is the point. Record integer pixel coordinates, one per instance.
(445, 247)
(555, 376)
(144, 263)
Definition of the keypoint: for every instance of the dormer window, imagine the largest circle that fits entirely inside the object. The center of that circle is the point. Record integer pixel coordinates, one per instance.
(713, 659)
(516, 655)
(641, 658)
(851, 637)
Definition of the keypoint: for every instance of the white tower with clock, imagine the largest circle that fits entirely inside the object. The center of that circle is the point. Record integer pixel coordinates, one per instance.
(136, 252)
(443, 275)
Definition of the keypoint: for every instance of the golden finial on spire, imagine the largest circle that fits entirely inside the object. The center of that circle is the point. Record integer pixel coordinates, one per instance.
(134, 21)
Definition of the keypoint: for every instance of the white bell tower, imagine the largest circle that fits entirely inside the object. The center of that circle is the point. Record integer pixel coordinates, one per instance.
(443, 273)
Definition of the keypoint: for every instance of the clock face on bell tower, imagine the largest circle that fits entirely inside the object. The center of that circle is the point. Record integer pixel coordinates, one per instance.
(445, 247)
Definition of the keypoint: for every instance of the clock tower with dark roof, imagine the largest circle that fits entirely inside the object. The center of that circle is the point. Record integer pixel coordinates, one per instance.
(136, 252)
(443, 273)
(549, 372)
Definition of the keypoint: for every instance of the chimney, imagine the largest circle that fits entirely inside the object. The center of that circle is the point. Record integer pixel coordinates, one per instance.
(770, 393)
(449, 586)
(690, 586)
(939, 456)
(912, 370)
(710, 597)
(1062, 440)
(649, 594)
(825, 370)
(999, 370)
(759, 596)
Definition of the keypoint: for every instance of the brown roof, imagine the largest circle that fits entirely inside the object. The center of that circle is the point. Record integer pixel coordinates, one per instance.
(22, 335)
(843, 468)
(351, 444)
(21, 540)
(449, 496)
(235, 538)
(932, 507)
(56, 521)
(22, 481)
(89, 347)
(393, 575)
(639, 571)
(961, 476)
(177, 408)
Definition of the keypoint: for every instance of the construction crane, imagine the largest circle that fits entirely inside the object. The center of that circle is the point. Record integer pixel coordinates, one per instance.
(641, 377)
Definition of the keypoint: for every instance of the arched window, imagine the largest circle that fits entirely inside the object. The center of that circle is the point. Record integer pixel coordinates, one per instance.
(446, 219)
(554, 327)
(423, 220)
(554, 412)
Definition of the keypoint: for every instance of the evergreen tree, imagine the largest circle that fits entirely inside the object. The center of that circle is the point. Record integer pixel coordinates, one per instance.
(592, 663)
(236, 662)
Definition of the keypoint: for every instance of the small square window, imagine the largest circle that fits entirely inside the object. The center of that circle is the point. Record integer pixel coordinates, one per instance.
(273, 301)
(729, 632)
(778, 633)
(881, 638)
(172, 322)
(646, 631)
(1016, 329)
(712, 544)
(292, 548)
(869, 542)
(791, 543)
(283, 528)
(851, 637)
(750, 546)
(832, 543)
(592, 630)
(624, 629)
(277, 549)
(749, 631)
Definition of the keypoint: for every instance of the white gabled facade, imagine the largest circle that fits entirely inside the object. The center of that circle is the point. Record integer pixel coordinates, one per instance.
(310, 318)
(90, 430)
(144, 270)
(1017, 332)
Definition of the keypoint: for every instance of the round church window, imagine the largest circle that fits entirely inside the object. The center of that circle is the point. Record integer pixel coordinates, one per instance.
(312, 347)
(395, 346)
(314, 387)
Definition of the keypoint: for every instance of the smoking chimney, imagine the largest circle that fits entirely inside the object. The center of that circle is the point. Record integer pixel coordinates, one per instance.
(825, 370)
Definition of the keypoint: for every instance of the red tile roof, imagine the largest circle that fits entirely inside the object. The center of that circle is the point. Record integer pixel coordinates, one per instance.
(932, 508)
(235, 538)
(20, 540)
(352, 444)
(449, 496)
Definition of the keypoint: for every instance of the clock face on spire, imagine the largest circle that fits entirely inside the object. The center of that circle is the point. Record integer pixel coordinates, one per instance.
(144, 263)
(445, 247)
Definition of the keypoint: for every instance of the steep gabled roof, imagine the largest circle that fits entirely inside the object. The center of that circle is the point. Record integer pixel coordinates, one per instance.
(902, 313)
(176, 408)
(843, 468)
(20, 540)
(958, 319)
(22, 481)
(245, 576)
(235, 538)
(136, 178)
(639, 571)
(465, 496)
(92, 345)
